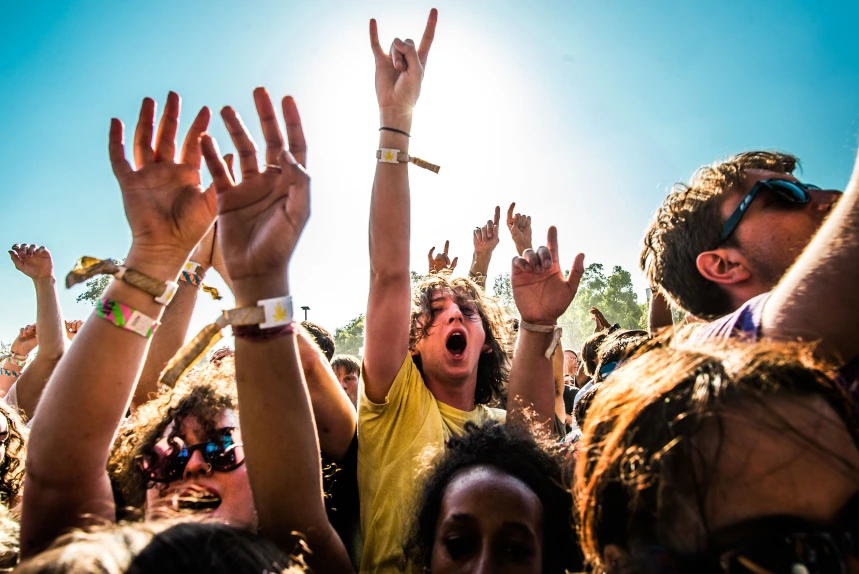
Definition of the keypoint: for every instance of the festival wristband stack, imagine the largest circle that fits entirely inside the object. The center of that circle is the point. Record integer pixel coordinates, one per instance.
(192, 274)
(553, 329)
(270, 318)
(88, 267)
(126, 318)
(386, 155)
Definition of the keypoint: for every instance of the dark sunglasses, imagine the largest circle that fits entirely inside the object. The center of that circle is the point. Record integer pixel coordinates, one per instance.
(791, 545)
(222, 453)
(792, 192)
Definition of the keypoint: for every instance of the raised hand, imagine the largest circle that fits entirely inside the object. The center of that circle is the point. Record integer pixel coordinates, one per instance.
(400, 73)
(486, 238)
(26, 341)
(261, 218)
(539, 289)
(164, 202)
(520, 229)
(33, 261)
(601, 323)
(72, 328)
(441, 263)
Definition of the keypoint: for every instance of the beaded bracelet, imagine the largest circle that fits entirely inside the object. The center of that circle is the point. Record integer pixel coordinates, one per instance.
(126, 318)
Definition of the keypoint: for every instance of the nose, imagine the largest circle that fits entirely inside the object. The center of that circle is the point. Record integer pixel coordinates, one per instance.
(197, 465)
(824, 199)
(455, 314)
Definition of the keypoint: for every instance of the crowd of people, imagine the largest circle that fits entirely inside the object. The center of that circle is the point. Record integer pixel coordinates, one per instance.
(464, 439)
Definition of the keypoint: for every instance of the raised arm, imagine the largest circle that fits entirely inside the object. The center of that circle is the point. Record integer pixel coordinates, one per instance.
(542, 295)
(520, 229)
(87, 396)
(261, 219)
(398, 85)
(817, 298)
(441, 263)
(14, 364)
(37, 264)
(485, 241)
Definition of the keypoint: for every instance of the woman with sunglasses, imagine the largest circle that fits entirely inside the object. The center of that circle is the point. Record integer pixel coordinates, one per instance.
(735, 459)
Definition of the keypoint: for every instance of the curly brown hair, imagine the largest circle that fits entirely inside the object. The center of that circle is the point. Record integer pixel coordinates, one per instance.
(13, 467)
(202, 394)
(689, 222)
(493, 367)
(639, 462)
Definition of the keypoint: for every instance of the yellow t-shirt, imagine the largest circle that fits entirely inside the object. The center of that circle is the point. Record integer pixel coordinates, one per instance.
(391, 439)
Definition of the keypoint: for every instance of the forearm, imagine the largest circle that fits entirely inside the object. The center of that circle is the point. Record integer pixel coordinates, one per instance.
(659, 315)
(166, 341)
(817, 299)
(84, 402)
(52, 341)
(531, 388)
(9, 373)
(332, 410)
(273, 404)
(480, 268)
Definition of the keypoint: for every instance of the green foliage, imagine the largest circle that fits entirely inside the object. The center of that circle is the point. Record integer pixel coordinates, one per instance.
(349, 339)
(95, 286)
(503, 291)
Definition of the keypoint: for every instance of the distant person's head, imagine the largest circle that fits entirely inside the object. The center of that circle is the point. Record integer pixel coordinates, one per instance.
(182, 452)
(322, 338)
(724, 458)
(571, 365)
(589, 357)
(496, 500)
(732, 232)
(456, 331)
(162, 548)
(616, 348)
(348, 371)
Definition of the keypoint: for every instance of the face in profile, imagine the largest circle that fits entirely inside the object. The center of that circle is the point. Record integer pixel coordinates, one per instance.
(454, 340)
(489, 521)
(200, 474)
(349, 381)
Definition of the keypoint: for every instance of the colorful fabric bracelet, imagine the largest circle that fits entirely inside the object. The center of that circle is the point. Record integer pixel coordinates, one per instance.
(270, 318)
(126, 318)
(16, 359)
(88, 267)
(192, 274)
(9, 373)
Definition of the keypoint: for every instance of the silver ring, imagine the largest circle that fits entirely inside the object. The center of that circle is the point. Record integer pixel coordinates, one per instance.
(273, 167)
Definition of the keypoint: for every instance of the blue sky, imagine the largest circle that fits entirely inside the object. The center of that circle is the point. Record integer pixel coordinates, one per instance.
(582, 112)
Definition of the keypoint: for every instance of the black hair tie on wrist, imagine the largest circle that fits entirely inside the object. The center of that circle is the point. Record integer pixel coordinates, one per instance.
(408, 135)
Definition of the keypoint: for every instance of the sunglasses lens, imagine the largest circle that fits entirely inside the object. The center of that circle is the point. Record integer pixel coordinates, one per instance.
(789, 191)
(225, 454)
(165, 465)
(811, 554)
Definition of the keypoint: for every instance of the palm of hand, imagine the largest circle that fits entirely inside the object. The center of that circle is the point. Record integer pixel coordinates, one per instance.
(541, 297)
(165, 205)
(36, 266)
(259, 224)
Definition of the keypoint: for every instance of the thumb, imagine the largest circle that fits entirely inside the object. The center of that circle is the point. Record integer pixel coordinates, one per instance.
(577, 271)
(453, 263)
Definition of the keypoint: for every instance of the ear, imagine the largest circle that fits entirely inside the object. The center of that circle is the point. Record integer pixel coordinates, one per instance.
(487, 350)
(614, 559)
(723, 266)
(415, 352)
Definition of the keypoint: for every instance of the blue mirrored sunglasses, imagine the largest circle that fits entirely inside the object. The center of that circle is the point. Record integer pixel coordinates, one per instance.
(784, 190)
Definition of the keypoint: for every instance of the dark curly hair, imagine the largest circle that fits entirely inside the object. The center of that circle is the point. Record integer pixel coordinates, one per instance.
(12, 467)
(493, 368)
(515, 451)
(202, 394)
(321, 337)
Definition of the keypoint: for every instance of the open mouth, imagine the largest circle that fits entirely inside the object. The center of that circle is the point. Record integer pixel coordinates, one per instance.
(456, 344)
(196, 500)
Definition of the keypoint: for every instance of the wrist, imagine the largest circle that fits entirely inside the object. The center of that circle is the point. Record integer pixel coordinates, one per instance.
(249, 290)
(47, 281)
(397, 117)
(164, 265)
(523, 246)
(17, 351)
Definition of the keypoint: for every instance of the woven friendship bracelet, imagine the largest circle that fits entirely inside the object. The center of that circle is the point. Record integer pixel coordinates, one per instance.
(386, 155)
(126, 318)
(270, 318)
(15, 359)
(554, 329)
(192, 274)
(88, 267)
(9, 373)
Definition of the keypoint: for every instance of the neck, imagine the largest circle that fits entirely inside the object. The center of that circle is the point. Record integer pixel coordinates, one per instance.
(457, 393)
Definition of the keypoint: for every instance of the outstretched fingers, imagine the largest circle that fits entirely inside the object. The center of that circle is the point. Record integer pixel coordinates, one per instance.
(576, 272)
(298, 202)
(294, 131)
(552, 242)
(270, 126)
(374, 40)
(429, 34)
(165, 140)
(221, 179)
(143, 153)
(191, 153)
(243, 142)
(116, 150)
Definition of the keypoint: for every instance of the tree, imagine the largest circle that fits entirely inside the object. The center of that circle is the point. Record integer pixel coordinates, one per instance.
(95, 286)
(349, 339)
(503, 292)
